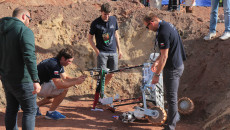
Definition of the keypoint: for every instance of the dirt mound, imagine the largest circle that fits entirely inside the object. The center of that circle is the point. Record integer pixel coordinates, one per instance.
(57, 24)
(41, 2)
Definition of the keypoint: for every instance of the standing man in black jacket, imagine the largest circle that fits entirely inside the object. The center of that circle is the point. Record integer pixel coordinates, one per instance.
(170, 62)
(18, 69)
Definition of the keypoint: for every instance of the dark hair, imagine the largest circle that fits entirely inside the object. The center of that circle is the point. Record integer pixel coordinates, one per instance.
(106, 8)
(150, 17)
(18, 11)
(67, 53)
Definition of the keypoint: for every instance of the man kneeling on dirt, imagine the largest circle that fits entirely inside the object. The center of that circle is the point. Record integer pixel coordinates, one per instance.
(55, 82)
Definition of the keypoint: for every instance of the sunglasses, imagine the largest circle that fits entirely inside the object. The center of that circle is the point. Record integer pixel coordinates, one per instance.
(148, 25)
(30, 19)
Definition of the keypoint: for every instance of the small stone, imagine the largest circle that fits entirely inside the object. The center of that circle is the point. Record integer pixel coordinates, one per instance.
(200, 19)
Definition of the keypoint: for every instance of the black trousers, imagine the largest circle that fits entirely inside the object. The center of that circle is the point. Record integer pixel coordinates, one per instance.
(171, 79)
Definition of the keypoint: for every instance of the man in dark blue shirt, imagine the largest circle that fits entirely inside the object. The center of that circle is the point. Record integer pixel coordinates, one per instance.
(170, 62)
(55, 82)
(105, 29)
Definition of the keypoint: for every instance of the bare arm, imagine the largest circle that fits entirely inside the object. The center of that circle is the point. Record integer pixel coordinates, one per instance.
(154, 65)
(66, 81)
(65, 77)
(193, 1)
(93, 45)
(118, 44)
(161, 61)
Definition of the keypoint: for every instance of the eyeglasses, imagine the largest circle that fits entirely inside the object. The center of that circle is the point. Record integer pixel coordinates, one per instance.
(30, 19)
(148, 25)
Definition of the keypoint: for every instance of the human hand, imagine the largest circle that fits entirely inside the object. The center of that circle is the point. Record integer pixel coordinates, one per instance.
(81, 79)
(154, 66)
(85, 76)
(37, 88)
(155, 79)
(97, 52)
(120, 55)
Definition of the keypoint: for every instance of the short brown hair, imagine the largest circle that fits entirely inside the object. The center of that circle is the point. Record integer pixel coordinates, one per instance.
(150, 17)
(18, 11)
(67, 53)
(106, 8)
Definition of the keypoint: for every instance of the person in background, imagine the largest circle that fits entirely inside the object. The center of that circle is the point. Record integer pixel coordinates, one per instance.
(189, 4)
(143, 2)
(214, 17)
(147, 3)
(174, 5)
(55, 82)
(155, 3)
(18, 69)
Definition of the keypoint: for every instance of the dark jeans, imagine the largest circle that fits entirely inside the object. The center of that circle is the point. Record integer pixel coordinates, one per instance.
(171, 78)
(20, 95)
(174, 5)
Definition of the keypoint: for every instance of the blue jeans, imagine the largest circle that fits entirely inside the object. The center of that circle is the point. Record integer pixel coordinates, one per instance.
(214, 15)
(171, 79)
(17, 96)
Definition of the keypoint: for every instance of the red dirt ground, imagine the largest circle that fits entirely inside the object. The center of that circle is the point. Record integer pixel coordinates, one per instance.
(80, 116)
(204, 79)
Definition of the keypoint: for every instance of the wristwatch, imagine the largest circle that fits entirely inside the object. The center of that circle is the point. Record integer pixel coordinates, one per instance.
(36, 81)
(155, 74)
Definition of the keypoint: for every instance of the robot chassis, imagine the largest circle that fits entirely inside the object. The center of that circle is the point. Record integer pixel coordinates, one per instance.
(152, 96)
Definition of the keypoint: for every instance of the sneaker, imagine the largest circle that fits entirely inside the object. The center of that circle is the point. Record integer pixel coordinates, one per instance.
(220, 21)
(97, 109)
(209, 36)
(225, 36)
(54, 115)
(38, 112)
(61, 116)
